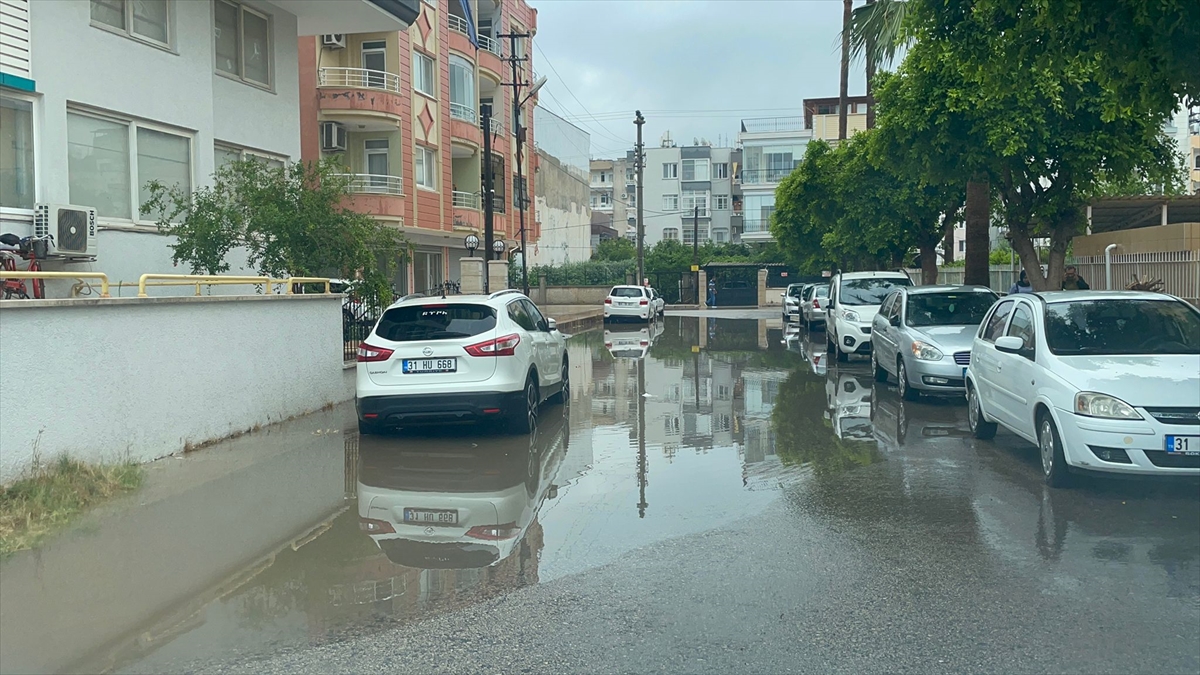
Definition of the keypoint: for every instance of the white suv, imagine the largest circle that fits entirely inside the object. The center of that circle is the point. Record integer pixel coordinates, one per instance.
(854, 299)
(630, 302)
(433, 360)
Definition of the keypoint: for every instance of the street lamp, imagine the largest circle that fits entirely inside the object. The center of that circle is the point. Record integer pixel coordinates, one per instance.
(498, 248)
(471, 242)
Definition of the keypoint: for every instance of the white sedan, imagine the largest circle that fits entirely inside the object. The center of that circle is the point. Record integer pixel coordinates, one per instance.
(1100, 381)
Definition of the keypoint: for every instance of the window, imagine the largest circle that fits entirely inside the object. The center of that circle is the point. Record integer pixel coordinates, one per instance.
(243, 43)
(670, 202)
(1022, 326)
(629, 174)
(870, 291)
(962, 245)
(827, 109)
(427, 271)
(671, 233)
(16, 153)
(995, 325)
(949, 309)
(425, 168)
(695, 169)
(227, 154)
(519, 313)
(520, 185)
(604, 199)
(701, 234)
(693, 200)
(721, 202)
(423, 71)
(1104, 327)
(720, 170)
(670, 170)
(721, 236)
(147, 20)
(499, 195)
(603, 177)
(374, 61)
(422, 323)
(533, 312)
(462, 89)
(107, 158)
(375, 163)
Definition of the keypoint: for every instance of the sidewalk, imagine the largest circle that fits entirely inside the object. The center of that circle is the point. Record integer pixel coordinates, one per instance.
(574, 318)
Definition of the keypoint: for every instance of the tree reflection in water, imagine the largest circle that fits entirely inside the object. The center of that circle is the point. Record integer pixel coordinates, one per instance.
(804, 434)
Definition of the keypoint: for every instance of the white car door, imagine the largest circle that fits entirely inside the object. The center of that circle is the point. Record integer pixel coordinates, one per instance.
(1017, 377)
(883, 334)
(985, 362)
(548, 363)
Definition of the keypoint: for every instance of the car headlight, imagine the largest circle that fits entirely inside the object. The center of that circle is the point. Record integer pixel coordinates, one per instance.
(923, 351)
(850, 315)
(1102, 405)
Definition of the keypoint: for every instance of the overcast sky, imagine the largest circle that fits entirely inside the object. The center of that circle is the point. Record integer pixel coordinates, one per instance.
(746, 58)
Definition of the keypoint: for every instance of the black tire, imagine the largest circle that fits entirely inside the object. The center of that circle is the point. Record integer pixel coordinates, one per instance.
(371, 428)
(830, 348)
(525, 421)
(980, 427)
(881, 375)
(1054, 464)
(564, 395)
(907, 392)
(842, 356)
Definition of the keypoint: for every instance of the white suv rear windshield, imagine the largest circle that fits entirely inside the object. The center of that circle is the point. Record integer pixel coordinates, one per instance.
(435, 322)
(626, 293)
(870, 291)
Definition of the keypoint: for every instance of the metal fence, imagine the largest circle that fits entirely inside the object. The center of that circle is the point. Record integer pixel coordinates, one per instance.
(1178, 270)
(360, 311)
(1000, 278)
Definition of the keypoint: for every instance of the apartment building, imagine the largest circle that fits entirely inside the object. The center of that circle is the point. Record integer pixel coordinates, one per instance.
(99, 97)
(614, 195)
(683, 182)
(403, 109)
(562, 192)
(771, 147)
(821, 116)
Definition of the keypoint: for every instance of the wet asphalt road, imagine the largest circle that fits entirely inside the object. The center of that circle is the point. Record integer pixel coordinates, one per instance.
(716, 499)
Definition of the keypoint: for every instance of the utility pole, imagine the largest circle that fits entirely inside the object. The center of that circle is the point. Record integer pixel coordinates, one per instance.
(519, 132)
(696, 251)
(489, 186)
(640, 163)
(641, 461)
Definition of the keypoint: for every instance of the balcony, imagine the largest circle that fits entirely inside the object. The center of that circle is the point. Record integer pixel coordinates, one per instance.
(465, 200)
(375, 184)
(490, 44)
(359, 78)
(462, 112)
(497, 126)
(772, 125)
(763, 176)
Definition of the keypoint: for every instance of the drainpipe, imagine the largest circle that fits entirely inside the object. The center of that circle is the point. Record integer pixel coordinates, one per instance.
(1108, 264)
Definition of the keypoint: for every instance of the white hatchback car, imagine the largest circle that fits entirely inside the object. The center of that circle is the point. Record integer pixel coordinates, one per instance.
(629, 302)
(432, 360)
(1099, 380)
(854, 300)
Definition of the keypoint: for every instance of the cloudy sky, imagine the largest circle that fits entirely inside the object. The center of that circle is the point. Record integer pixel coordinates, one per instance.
(694, 67)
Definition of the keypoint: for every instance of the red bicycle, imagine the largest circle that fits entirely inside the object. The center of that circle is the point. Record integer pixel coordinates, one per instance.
(27, 248)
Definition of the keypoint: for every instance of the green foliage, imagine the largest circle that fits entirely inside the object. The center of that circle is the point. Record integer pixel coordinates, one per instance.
(291, 221)
(619, 248)
(583, 273)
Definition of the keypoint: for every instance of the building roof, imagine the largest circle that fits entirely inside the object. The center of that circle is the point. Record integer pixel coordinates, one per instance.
(1110, 214)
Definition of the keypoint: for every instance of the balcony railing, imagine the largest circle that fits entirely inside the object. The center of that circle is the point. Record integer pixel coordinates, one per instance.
(497, 126)
(772, 124)
(462, 112)
(459, 25)
(490, 44)
(359, 77)
(465, 200)
(376, 184)
(763, 176)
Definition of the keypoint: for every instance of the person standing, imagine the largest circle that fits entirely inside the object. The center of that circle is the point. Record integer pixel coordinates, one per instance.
(1072, 281)
(1022, 285)
(712, 292)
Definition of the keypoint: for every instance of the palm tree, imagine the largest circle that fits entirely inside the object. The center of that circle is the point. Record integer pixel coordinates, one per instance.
(875, 34)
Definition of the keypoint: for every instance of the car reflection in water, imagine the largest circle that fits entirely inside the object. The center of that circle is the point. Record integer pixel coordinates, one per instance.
(814, 353)
(460, 502)
(632, 343)
(899, 423)
(848, 396)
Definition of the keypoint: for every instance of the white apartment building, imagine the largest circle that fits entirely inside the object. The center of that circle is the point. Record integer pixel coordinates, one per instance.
(614, 194)
(99, 97)
(771, 147)
(681, 182)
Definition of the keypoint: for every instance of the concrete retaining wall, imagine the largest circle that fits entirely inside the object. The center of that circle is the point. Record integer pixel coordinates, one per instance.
(570, 295)
(102, 380)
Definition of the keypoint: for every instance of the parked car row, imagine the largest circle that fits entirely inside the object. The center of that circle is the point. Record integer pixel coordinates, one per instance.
(1099, 381)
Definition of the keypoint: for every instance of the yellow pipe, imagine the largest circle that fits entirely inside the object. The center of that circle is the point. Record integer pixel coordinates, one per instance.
(61, 275)
(305, 280)
(204, 279)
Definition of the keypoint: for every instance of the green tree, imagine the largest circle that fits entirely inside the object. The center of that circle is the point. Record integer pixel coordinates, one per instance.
(291, 221)
(619, 248)
(876, 35)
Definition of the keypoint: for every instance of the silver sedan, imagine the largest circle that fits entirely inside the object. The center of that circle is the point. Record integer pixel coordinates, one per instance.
(923, 335)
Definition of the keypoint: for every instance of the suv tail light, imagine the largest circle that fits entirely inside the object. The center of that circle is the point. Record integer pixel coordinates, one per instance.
(503, 346)
(370, 354)
(494, 532)
(374, 526)
(608, 301)
(644, 302)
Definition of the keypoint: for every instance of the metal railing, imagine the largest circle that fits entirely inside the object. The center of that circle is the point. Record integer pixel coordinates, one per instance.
(772, 124)
(496, 125)
(764, 176)
(464, 200)
(459, 25)
(375, 184)
(199, 280)
(359, 77)
(462, 112)
(1178, 270)
(6, 274)
(490, 44)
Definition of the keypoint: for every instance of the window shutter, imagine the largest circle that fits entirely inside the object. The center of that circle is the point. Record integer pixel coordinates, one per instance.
(16, 50)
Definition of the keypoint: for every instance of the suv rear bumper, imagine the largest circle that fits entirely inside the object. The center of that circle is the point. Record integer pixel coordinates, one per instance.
(413, 410)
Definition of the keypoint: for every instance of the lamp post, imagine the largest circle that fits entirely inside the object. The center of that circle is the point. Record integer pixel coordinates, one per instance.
(471, 242)
(498, 248)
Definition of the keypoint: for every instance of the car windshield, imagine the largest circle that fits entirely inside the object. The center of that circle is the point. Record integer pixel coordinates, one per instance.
(435, 322)
(948, 309)
(1098, 327)
(795, 291)
(869, 291)
(626, 292)
(822, 292)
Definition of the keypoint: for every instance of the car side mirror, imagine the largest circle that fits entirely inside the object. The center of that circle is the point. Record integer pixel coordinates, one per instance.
(551, 325)
(894, 320)
(1010, 344)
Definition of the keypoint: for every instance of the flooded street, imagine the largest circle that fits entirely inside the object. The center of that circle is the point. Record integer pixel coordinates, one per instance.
(715, 497)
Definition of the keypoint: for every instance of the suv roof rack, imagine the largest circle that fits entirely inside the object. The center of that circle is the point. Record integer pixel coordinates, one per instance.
(503, 292)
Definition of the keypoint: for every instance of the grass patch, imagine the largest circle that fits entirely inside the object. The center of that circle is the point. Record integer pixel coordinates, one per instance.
(49, 499)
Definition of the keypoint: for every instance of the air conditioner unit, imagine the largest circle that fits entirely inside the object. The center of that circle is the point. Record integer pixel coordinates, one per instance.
(334, 41)
(333, 137)
(624, 195)
(73, 229)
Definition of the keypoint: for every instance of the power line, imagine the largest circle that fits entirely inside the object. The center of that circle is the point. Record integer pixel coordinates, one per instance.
(564, 84)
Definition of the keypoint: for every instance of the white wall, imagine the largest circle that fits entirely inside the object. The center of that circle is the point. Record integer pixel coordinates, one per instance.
(104, 380)
(566, 234)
